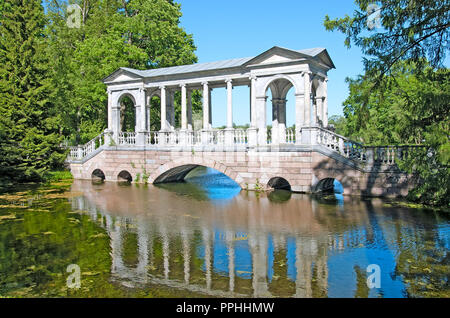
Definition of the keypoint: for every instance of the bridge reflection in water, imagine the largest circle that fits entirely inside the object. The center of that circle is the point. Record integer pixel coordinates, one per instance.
(244, 244)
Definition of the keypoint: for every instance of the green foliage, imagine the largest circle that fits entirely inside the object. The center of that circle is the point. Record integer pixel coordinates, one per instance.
(408, 107)
(30, 124)
(58, 175)
(338, 122)
(409, 30)
(132, 33)
(403, 96)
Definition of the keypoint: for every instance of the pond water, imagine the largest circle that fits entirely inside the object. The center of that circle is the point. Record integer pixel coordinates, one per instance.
(205, 237)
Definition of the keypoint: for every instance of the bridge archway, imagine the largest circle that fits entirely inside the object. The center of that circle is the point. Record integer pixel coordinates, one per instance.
(176, 170)
(124, 176)
(98, 175)
(279, 183)
(328, 185)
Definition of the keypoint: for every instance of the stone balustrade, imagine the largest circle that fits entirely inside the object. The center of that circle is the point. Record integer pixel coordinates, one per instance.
(241, 137)
(81, 151)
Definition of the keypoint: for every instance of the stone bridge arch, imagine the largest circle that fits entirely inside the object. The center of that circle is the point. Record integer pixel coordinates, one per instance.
(176, 169)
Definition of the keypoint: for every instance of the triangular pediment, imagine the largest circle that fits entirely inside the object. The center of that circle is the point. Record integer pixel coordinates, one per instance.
(276, 55)
(122, 75)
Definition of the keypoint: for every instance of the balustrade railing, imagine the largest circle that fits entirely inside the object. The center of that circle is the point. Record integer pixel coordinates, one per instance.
(127, 138)
(290, 136)
(81, 151)
(385, 155)
(240, 136)
(353, 150)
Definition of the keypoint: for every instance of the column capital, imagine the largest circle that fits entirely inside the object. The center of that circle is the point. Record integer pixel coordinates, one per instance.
(228, 80)
(320, 97)
(205, 83)
(252, 77)
(162, 87)
(183, 85)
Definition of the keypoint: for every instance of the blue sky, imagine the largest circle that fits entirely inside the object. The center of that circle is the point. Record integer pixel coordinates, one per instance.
(240, 28)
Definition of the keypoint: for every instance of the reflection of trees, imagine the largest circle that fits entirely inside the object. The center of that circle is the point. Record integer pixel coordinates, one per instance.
(130, 248)
(35, 252)
(423, 260)
(280, 285)
(362, 290)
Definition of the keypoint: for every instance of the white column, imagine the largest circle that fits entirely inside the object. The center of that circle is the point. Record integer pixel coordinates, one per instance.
(282, 121)
(147, 111)
(110, 113)
(229, 131)
(183, 107)
(205, 106)
(210, 109)
(315, 115)
(261, 119)
(319, 105)
(252, 131)
(253, 102)
(299, 116)
(163, 109)
(189, 109)
(140, 118)
(307, 98)
(325, 103)
(229, 103)
(142, 101)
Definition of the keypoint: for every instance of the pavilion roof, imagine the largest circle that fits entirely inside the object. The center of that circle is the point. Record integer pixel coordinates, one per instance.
(218, 65)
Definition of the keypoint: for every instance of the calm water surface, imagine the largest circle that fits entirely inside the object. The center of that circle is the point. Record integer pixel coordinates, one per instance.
(205, 237)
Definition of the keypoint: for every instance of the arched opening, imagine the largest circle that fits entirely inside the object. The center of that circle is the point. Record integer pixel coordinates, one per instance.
(329, 186)
(124, 176)
(98, 175)
(176, 174)
(280, 117)
(279, 183)
(198, 181)
(127, 113)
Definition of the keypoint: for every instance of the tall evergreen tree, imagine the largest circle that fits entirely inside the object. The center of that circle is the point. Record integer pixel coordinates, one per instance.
(30, 141)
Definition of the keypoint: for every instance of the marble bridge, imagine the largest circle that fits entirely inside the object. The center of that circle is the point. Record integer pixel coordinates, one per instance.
(303, 158)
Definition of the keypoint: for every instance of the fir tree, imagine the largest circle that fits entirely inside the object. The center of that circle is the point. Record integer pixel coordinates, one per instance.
(30, 142)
